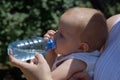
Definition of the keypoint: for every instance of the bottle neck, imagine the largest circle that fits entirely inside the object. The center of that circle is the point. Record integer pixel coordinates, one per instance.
(51, 44)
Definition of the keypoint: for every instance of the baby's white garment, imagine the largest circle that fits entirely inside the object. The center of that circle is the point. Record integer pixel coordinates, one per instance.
(89, 58)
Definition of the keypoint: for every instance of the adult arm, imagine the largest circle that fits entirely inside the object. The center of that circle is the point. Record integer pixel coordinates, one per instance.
(107, 67)
(37, 69)
(111, 21)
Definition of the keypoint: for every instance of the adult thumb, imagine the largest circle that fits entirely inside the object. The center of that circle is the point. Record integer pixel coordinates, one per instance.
(40, 58)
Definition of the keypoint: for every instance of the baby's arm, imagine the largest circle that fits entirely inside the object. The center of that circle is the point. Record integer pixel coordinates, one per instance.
(50, 58)
(51, 55)
(80, 76)
(69, 67)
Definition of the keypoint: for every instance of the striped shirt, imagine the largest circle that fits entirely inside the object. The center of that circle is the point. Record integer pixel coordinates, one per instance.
(108, 65)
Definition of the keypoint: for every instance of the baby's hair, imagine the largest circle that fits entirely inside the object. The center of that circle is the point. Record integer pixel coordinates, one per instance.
(95, 32)
(93, 25)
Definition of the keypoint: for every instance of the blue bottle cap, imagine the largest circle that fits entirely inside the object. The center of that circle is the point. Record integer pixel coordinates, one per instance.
(51, 44)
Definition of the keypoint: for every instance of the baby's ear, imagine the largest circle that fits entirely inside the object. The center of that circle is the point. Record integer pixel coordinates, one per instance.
(84, 47)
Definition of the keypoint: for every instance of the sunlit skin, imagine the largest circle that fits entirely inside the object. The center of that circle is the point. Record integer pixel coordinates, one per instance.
(70, 28)
(41, 71)
(76, 29)
(67, 36)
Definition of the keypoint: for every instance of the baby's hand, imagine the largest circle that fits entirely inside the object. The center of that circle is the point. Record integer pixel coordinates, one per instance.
(49, 34)
(51, 55)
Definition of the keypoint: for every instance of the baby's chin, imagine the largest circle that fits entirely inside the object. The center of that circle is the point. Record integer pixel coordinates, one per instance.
(58, 52)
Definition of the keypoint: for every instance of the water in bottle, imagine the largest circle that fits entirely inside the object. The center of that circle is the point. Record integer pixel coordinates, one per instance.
(26, 49)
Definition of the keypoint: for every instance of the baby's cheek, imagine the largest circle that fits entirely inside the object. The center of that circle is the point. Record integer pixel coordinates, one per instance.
(60, 48)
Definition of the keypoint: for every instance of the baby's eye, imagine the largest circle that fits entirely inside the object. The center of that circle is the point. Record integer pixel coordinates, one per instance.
(61, 35)
(58, 34)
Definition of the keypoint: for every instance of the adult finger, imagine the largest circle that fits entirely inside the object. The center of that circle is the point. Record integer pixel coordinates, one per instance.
(17, 63)
(40, 58)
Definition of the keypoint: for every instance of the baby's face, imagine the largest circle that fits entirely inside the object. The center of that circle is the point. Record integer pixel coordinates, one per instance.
(67, 37)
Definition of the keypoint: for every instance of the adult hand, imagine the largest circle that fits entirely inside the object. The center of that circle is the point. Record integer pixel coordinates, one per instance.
(37, 69)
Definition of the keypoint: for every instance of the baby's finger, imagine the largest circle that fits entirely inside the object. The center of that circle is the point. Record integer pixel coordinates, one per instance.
(49, 35)
(46, 36)
(51, 32)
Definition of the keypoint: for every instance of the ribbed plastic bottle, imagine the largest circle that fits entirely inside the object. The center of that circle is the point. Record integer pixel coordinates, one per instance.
(26, 49)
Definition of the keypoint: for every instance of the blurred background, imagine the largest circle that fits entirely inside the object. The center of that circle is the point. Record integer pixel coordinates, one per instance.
(22, 19)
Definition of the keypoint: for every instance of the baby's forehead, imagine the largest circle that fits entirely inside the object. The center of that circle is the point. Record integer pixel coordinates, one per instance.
(81, 17)
(77, 16)
(80, 13)
(73, 24)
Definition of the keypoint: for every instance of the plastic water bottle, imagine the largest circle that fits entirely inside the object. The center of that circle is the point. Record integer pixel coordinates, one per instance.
(26, 49)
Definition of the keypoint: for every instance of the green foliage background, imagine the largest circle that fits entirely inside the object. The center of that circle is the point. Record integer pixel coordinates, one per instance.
(21, 19)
